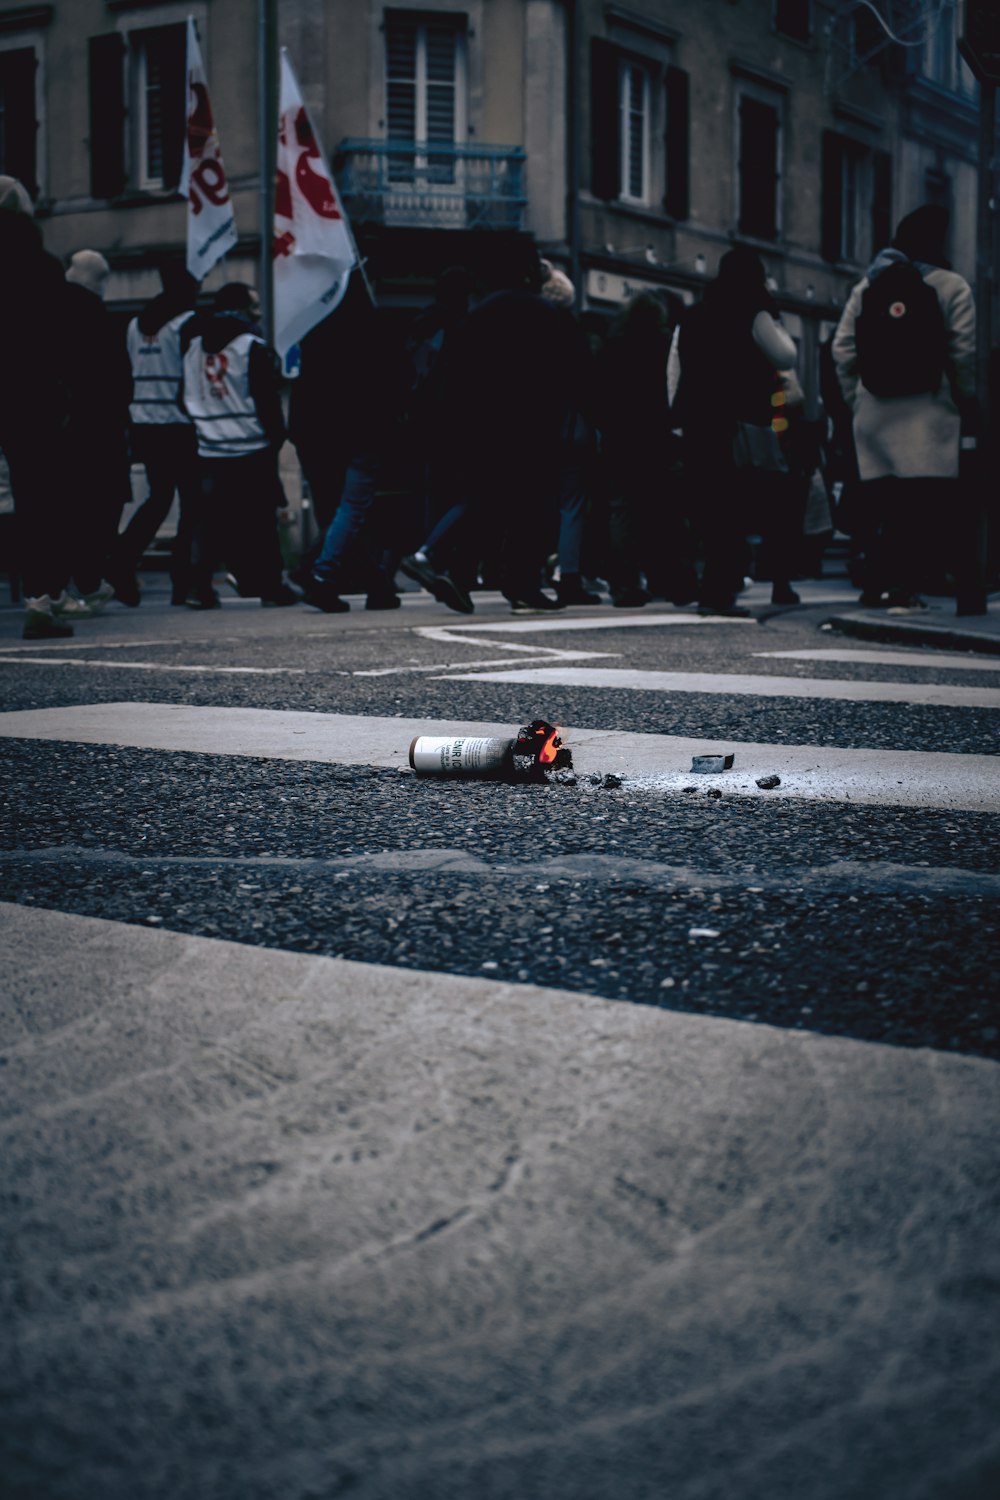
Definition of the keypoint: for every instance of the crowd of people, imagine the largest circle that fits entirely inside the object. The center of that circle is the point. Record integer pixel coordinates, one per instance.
(539, 452)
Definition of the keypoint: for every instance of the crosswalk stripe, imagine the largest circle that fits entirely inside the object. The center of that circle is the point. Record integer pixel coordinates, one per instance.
(937, 661)
(149, 666)
(758, 686)
(561, 624)
(658, 763)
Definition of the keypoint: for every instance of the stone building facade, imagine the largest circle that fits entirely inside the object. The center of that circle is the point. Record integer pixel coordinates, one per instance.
(635, 142)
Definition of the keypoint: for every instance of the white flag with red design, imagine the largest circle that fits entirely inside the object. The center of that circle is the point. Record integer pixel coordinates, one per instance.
(313, 247)
(211, 225)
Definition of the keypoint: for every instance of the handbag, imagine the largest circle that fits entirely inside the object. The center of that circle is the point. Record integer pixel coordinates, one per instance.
(758, 448)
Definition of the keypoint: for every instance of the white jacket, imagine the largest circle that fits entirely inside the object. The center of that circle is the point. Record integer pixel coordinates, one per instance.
(217, 395)
(157, 369)
(912, 437)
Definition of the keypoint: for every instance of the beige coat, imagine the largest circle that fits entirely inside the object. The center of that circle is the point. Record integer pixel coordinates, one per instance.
(912, 437)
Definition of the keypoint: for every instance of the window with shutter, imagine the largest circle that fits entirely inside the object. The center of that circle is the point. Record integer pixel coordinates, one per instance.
(18, 119)
(605, 137)
(678, 151)
(758, 176)
(793, 18)
(107, 115)
(424, 88)
(157, 58)
(633, 132)
(881, 200)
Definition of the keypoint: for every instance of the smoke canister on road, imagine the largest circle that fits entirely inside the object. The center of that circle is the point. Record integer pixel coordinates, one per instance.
(461, 755)
(532, 756)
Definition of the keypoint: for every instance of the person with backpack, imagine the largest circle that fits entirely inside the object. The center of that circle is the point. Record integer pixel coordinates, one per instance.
(905, 356)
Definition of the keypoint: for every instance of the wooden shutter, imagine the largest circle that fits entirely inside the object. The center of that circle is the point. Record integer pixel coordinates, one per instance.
(18, 144)
(881, 200)
(758, 169)
(605, 127)
(174, 63)
(677, 199)
(107, 115)
(831, 227)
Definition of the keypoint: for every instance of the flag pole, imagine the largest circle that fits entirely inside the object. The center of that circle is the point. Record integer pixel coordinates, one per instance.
(268, 119)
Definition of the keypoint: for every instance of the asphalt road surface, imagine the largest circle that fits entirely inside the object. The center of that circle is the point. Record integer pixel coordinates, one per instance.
(383, 1135)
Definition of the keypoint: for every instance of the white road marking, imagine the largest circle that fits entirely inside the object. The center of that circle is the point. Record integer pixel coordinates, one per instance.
(502, 661)
(147, 666)
(549, 624)
(654, 763)
(758, 686)
(913, 658)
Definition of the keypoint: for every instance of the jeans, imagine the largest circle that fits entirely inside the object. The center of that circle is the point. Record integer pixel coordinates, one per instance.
(350, 523)
(170, 456)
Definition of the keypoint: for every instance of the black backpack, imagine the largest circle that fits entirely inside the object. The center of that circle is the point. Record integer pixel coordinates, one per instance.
(900, 333)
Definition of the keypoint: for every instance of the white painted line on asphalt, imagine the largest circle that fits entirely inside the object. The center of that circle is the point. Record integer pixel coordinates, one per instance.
(503, 661)
(146, 666)
(652, 762)
(549, 624)
(757, 686)
(962, 662)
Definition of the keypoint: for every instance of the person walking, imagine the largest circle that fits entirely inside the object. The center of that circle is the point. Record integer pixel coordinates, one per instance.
(345, 412)
(35, 397)
(722, 376)
(511, 382)
(162, 437)
(905, 356)
(232, 394)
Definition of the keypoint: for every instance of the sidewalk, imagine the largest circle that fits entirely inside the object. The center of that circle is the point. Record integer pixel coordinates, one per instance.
(937, 625)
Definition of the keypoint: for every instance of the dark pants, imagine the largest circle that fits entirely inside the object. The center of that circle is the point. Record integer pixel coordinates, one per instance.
(36, 481)
(236, 524)
(97, 488)
(169, 454)
(903, 514)
(349, 538)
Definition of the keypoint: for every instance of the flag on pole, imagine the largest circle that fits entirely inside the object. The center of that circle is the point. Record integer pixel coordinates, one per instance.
(313, 247)
(211, 226)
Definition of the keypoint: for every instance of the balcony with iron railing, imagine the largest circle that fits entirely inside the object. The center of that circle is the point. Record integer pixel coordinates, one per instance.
(432, 185)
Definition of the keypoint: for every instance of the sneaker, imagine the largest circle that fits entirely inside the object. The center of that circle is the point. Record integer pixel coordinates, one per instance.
(69, 607)
(383, 599)
(725, 611)
(571, 591)
(872, 599)
(905, 604)
(444, 588)
(323, 596)
(96, 601)
(631, 597)
(39, 622)
(533, 602)
(126, 587)
(281, 597)
(210, 600)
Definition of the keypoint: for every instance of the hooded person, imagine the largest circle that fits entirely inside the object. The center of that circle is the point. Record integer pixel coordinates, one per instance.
(35, 400)
(161, 435)
(907, 439)
(231, 391)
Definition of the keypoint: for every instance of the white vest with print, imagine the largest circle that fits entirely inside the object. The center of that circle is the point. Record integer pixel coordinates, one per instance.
(217, 396)
(157, 368)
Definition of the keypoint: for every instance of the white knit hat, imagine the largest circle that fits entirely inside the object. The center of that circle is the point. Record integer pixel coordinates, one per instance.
(556, 286)
(89, 268)
(14, 197)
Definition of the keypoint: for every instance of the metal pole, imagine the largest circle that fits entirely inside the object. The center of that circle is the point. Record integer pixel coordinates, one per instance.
(575, 145)
(974, 544)
(984, 243)
(268, 125)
